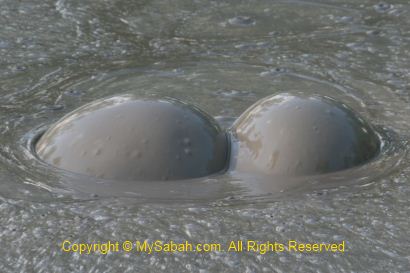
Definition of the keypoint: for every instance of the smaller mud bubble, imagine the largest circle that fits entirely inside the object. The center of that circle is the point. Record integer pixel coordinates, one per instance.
(130, 139)
(295, 135)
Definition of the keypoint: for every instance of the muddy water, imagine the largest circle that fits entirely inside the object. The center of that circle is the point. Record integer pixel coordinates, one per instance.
(222, 56)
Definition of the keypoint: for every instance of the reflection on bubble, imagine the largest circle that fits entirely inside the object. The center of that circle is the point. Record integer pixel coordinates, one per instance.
(289, 135)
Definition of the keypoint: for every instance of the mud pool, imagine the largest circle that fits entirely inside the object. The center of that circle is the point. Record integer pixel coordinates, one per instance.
(222, 56)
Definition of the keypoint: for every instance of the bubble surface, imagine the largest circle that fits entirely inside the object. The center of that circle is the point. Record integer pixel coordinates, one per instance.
(294, 135)
(111, 138)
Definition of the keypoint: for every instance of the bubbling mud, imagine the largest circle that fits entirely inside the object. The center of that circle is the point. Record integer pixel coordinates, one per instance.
(130, 139)
(279, 138)
(296, 135)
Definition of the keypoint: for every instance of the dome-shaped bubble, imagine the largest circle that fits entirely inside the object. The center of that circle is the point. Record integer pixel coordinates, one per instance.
(294, 135)
(125, 138)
